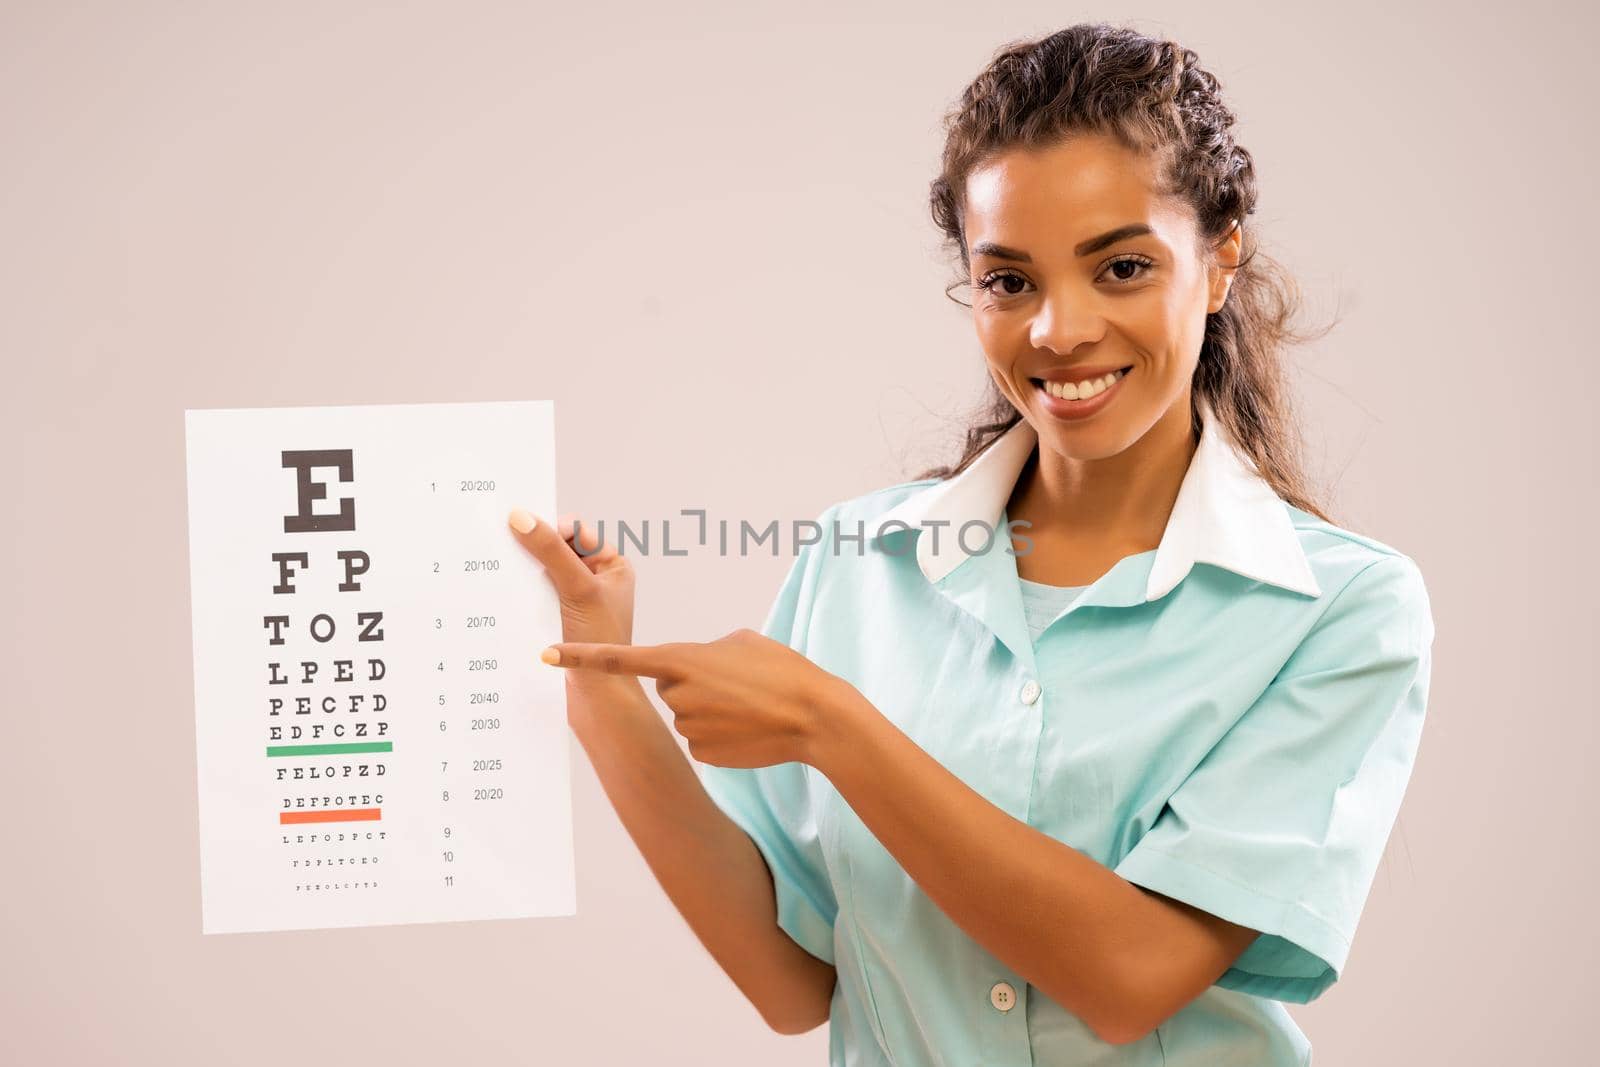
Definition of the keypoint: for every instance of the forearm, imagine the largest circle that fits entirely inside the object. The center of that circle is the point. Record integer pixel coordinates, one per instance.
(1070, 926)
(707, 864)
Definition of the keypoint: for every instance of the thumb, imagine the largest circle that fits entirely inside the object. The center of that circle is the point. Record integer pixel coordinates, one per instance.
(573, 580)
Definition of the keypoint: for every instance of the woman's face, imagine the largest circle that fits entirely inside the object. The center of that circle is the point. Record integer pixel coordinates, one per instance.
(1080, 269)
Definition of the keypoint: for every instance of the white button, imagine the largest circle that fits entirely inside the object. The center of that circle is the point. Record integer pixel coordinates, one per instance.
(1002, 996)
(1030, 691)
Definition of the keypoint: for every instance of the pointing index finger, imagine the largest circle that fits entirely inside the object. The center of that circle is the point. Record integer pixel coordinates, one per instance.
(650, 661)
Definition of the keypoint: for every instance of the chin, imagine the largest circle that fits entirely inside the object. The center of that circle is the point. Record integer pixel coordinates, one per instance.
(1102, 440)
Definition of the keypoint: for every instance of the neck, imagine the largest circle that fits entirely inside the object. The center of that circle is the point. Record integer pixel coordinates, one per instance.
(1103, 509)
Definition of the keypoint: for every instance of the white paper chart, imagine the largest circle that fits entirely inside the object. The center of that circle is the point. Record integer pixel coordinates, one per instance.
(378, 742)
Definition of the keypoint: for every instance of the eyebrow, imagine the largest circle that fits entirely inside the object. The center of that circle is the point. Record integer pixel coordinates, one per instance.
(1089, 247)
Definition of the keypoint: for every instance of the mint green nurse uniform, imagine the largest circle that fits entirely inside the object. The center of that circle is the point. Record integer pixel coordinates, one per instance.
(1229, 719)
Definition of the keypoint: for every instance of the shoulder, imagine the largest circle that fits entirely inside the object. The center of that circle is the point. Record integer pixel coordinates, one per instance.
(842, 532)
(827, 571)
(1361, 575)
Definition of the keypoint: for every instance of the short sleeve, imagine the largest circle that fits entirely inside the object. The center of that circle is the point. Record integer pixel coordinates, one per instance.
(1282, 825)
(773, 804)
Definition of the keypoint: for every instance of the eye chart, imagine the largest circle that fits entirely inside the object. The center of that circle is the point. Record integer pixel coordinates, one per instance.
(378, 742)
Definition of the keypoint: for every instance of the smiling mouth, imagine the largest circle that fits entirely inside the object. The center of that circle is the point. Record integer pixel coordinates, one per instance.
(1085, 390)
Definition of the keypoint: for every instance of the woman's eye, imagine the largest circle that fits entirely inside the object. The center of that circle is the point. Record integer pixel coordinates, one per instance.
(1001, 282)
(1132, 263)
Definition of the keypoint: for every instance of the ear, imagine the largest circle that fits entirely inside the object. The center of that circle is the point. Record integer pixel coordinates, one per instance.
(1220, 276)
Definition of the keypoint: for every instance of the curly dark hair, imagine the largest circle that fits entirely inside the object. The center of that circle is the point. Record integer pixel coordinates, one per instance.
(1152, 95)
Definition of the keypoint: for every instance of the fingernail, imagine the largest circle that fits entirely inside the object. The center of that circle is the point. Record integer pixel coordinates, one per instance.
(551, 655)
(521, 521)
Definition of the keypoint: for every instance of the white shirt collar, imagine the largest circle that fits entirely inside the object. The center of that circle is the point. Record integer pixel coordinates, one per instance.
(1226, 514)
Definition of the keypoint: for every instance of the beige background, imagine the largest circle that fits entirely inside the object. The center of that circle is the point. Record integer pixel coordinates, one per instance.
(702, 231)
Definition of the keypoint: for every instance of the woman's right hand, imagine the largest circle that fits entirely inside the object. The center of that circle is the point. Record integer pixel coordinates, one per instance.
(595, 588)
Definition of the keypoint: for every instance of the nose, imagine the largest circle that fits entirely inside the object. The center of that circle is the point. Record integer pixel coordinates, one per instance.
(1065, 320)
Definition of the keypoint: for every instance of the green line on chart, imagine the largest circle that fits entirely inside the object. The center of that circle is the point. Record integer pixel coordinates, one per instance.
(330, 750)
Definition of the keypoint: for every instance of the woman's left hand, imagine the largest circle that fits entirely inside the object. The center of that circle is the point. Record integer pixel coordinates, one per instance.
(743, 700)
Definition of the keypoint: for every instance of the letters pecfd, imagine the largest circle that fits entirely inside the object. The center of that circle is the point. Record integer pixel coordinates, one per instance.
(330, 703)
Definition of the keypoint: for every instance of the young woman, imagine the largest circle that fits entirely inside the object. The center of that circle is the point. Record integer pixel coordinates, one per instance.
(1112, 784)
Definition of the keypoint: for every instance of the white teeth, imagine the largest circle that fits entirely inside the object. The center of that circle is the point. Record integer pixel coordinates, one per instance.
(1082, 390)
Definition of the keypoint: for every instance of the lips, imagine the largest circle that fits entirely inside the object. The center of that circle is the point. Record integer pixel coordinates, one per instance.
(1073, 408)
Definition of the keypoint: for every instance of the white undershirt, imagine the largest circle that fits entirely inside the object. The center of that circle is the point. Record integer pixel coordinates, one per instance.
(1043, 604)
